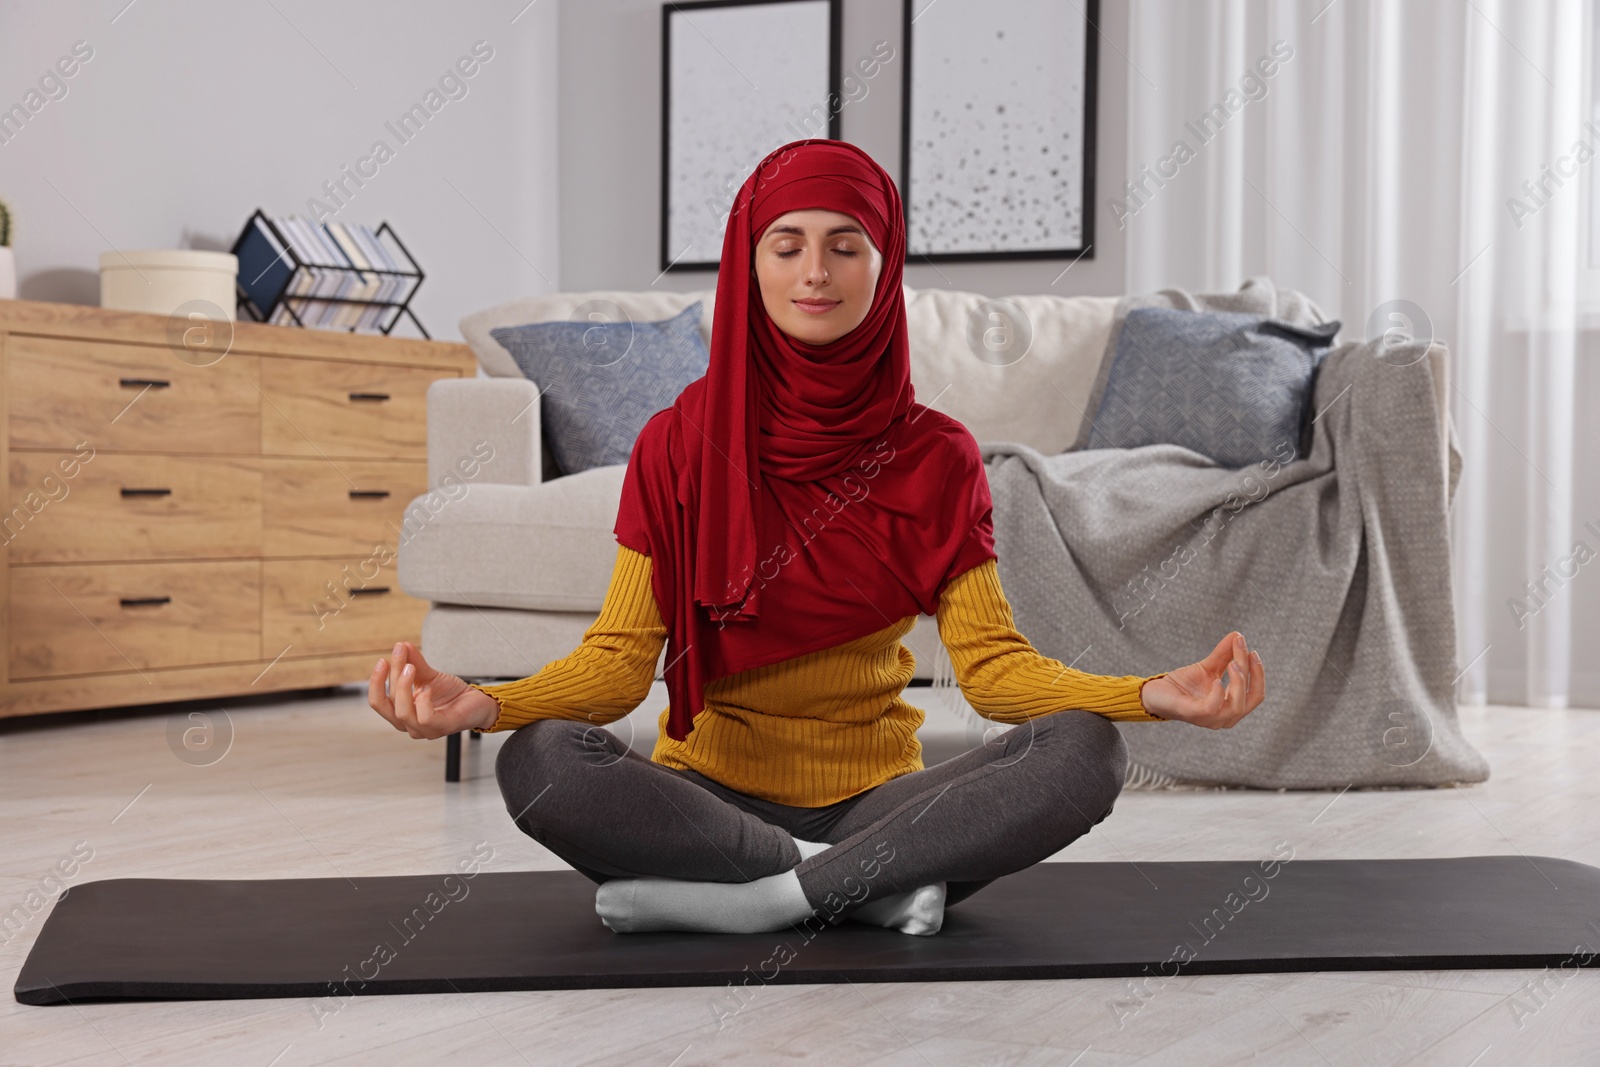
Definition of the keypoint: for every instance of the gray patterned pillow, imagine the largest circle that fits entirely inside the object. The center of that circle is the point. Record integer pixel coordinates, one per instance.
(599, 382)
(1231, 386)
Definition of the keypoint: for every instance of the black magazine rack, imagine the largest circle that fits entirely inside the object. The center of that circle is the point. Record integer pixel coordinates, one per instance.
(276, 275)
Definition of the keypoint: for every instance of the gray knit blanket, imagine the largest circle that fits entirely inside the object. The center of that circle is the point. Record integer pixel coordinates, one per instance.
(1335, 566)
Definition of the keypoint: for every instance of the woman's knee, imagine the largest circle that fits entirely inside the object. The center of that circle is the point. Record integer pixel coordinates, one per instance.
(536, 757)
(1094, 748)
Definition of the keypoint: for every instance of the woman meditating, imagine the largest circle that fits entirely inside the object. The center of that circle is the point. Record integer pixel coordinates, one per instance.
(781, 527)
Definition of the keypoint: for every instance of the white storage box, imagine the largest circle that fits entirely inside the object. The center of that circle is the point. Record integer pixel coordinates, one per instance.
(162, 280)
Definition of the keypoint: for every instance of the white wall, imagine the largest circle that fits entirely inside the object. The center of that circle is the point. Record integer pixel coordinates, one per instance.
(190, 115)
(544, 176)
(611, 152)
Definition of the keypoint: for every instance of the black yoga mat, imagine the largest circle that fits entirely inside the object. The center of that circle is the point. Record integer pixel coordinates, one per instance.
(434, 933)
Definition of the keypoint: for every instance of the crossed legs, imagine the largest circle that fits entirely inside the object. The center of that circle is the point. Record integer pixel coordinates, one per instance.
(674, 850)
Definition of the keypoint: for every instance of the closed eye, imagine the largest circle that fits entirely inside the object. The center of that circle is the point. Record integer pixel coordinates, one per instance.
(796, 251)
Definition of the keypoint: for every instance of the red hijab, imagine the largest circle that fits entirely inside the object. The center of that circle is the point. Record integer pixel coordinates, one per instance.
(797, 497)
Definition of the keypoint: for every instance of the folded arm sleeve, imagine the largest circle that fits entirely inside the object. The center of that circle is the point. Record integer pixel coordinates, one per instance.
(1004, 677)
(609, 673)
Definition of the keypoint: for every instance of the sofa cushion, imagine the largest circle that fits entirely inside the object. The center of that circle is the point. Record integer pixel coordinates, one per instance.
(477, 329)
(548, 547)
(1015, 368)
(601, 379)
(1231, 386)
(1259, 295)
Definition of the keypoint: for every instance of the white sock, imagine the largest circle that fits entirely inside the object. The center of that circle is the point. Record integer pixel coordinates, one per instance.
(917, 911)
(642, 905)
(647, 904)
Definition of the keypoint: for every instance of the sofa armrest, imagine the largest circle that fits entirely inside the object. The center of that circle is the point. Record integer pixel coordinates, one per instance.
(484, 430)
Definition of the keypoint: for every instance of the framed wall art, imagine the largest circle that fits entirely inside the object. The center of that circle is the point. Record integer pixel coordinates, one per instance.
(738, 79)
(997, 129)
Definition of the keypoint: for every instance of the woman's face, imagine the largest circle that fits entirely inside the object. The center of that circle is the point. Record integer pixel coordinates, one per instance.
(817, 270)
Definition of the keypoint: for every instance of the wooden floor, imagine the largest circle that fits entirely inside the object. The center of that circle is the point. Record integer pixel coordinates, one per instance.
(319, 787)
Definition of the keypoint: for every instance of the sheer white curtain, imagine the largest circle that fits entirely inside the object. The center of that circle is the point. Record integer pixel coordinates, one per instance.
(1368, 152)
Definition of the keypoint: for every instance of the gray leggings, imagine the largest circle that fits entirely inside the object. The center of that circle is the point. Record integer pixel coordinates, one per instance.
(610, 812)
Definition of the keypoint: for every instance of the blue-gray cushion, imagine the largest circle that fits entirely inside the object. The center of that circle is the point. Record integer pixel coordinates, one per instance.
(599, 382)
(1231, 386)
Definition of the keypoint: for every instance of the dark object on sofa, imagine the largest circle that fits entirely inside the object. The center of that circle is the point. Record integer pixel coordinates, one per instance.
(1234, 387)
(602, 378)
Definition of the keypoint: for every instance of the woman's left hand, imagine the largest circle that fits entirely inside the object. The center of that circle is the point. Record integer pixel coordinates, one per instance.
(1195, 694)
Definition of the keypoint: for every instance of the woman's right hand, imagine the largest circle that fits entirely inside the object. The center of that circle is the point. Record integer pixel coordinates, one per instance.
(424, 702)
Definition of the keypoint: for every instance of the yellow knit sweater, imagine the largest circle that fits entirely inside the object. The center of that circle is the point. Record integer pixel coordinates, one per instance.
(814, 729)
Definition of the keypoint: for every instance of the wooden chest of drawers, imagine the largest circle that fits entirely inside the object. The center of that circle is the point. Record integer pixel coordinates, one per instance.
(208, 517)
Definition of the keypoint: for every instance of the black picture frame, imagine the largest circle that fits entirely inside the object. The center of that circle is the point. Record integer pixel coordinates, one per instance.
(1085, 246)
(668, 262)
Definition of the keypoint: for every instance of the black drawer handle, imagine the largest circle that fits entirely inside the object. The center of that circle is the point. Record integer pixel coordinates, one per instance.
(159, 383)
(369, 592)
(129, 601)
(354, 493)
(369, 396)
(145, 492)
